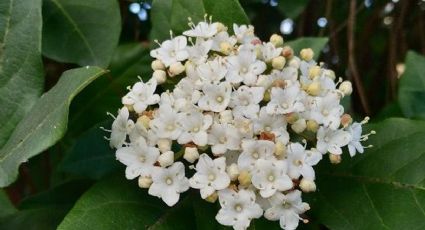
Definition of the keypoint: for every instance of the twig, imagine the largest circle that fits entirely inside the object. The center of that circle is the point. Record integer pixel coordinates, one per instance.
(352, 59)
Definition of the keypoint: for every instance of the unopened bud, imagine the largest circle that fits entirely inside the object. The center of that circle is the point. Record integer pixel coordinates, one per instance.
(164, 145)
(130, 108)
(157, 65)
(176, 69)
(226, 116)
(166, 159)
(278, 62)
(191, 154)
(276, 40)
(267, 96)
(220, 27)
(294, 62)
(145, 182)
(280, 149)
(212, 198)
(143, 121)
(329, 73)
(279, 83)
(287, 52)
(307, 185)
(335, 159)
(299, 126)
(312, 126)
(314, 88)
(225, 48)
(314, 71)
(233, 171)
(244, 178)
(263, 80)
(346, 88)
(160, 76)
(291, 118)
(346, 120)
(307, 54)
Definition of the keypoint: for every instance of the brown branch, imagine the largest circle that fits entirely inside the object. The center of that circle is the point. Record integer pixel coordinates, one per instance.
(352, 66)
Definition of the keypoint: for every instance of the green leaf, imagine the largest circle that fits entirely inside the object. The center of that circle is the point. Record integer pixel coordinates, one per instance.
(115, 203)
(91, 155)
(84, 32)
(45, 123)
(21, 69)
(47, 209)
(411, 95)
(315, 43)
(173, 15)
(292, 9)
(384, 188)
(7, 207)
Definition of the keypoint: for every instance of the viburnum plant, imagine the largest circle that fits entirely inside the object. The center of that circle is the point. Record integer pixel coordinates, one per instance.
(245, 123)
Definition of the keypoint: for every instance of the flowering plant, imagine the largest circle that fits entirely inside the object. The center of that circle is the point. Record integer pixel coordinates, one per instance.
(245, 123)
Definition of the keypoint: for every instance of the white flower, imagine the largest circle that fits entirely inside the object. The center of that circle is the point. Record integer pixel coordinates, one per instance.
(329, 140)
(194, 125)
(244, 67)
(210, 175)
(237, 208)
(165, 124)
(212, 71)
(202, 30)
(216, 97)
(199, 52)
(141, 95)
(269, 51)
(221, 38)
(286, 209)
(185, 95)
(120, 128)
(223, 137)
(270, 176)
(300, 161)
(168, 183)
(269, 123)
(253, 150)
(244, 33)
(139, 158)
(171, 51)
(326, 110)
(356, 133)
(245, 101)
(284, 101)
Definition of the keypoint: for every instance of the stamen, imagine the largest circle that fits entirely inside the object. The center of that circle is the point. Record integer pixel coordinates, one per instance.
(157, 42)
(106, 130)
(110, 114)
(365, 120)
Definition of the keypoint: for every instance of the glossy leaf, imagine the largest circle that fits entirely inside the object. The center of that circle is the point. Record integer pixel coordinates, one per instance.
(84, 32)
(45, 123)
(292, 9)
(315, 43)
(7, 207)
(382, 189)
(173, 15)
(411, 95)
(21, 70)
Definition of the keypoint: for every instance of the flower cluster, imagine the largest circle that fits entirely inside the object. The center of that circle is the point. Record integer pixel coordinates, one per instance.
(248, 118)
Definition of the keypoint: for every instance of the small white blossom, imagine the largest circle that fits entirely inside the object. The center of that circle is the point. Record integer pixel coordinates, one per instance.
(165, 125)
(245, 101)
(216, 97)
(202, 30)
(223, 137)
(253, 150)
(244, 67)
(194, 126)
(356, 133)
(300, 161)
(284, 101)
(120, 128)
(141, 95)
(329, 140)
(270, 176)
(171, 51)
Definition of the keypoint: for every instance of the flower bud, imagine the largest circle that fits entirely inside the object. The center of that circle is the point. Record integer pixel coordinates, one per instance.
(335, 159)
(263, 80)
(294, 62)
(166, 159)
(164, 145)
(266, 96)
(291, 118)
(307, 54)
(314, 88)
(160, 76)
(307, 185)
(314, 71)
(129, 108)
(145, 181)
(191, 154)
(346, 120)
(226, 116)
(280, 149)
(299, 126)
(220, 27)
(278, 62)
(157, 65)
(176, 69)
(279, 83)
(225, 48)
(346, 88)
(329, 73)
(244, 178)
(276, 40)
(143, 121)
(287, 52)
(233, 171)
(212, 198)
(312, 126)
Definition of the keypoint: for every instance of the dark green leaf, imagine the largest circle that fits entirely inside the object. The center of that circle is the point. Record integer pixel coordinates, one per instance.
(116, 203)
(173, 15)
(91, 155)
(21, 70)
(45, 123)
(292, 9)
(7, 207)
(411, 95)
(315, 43)
(382, 189)
(45, 210)
(84, 32)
